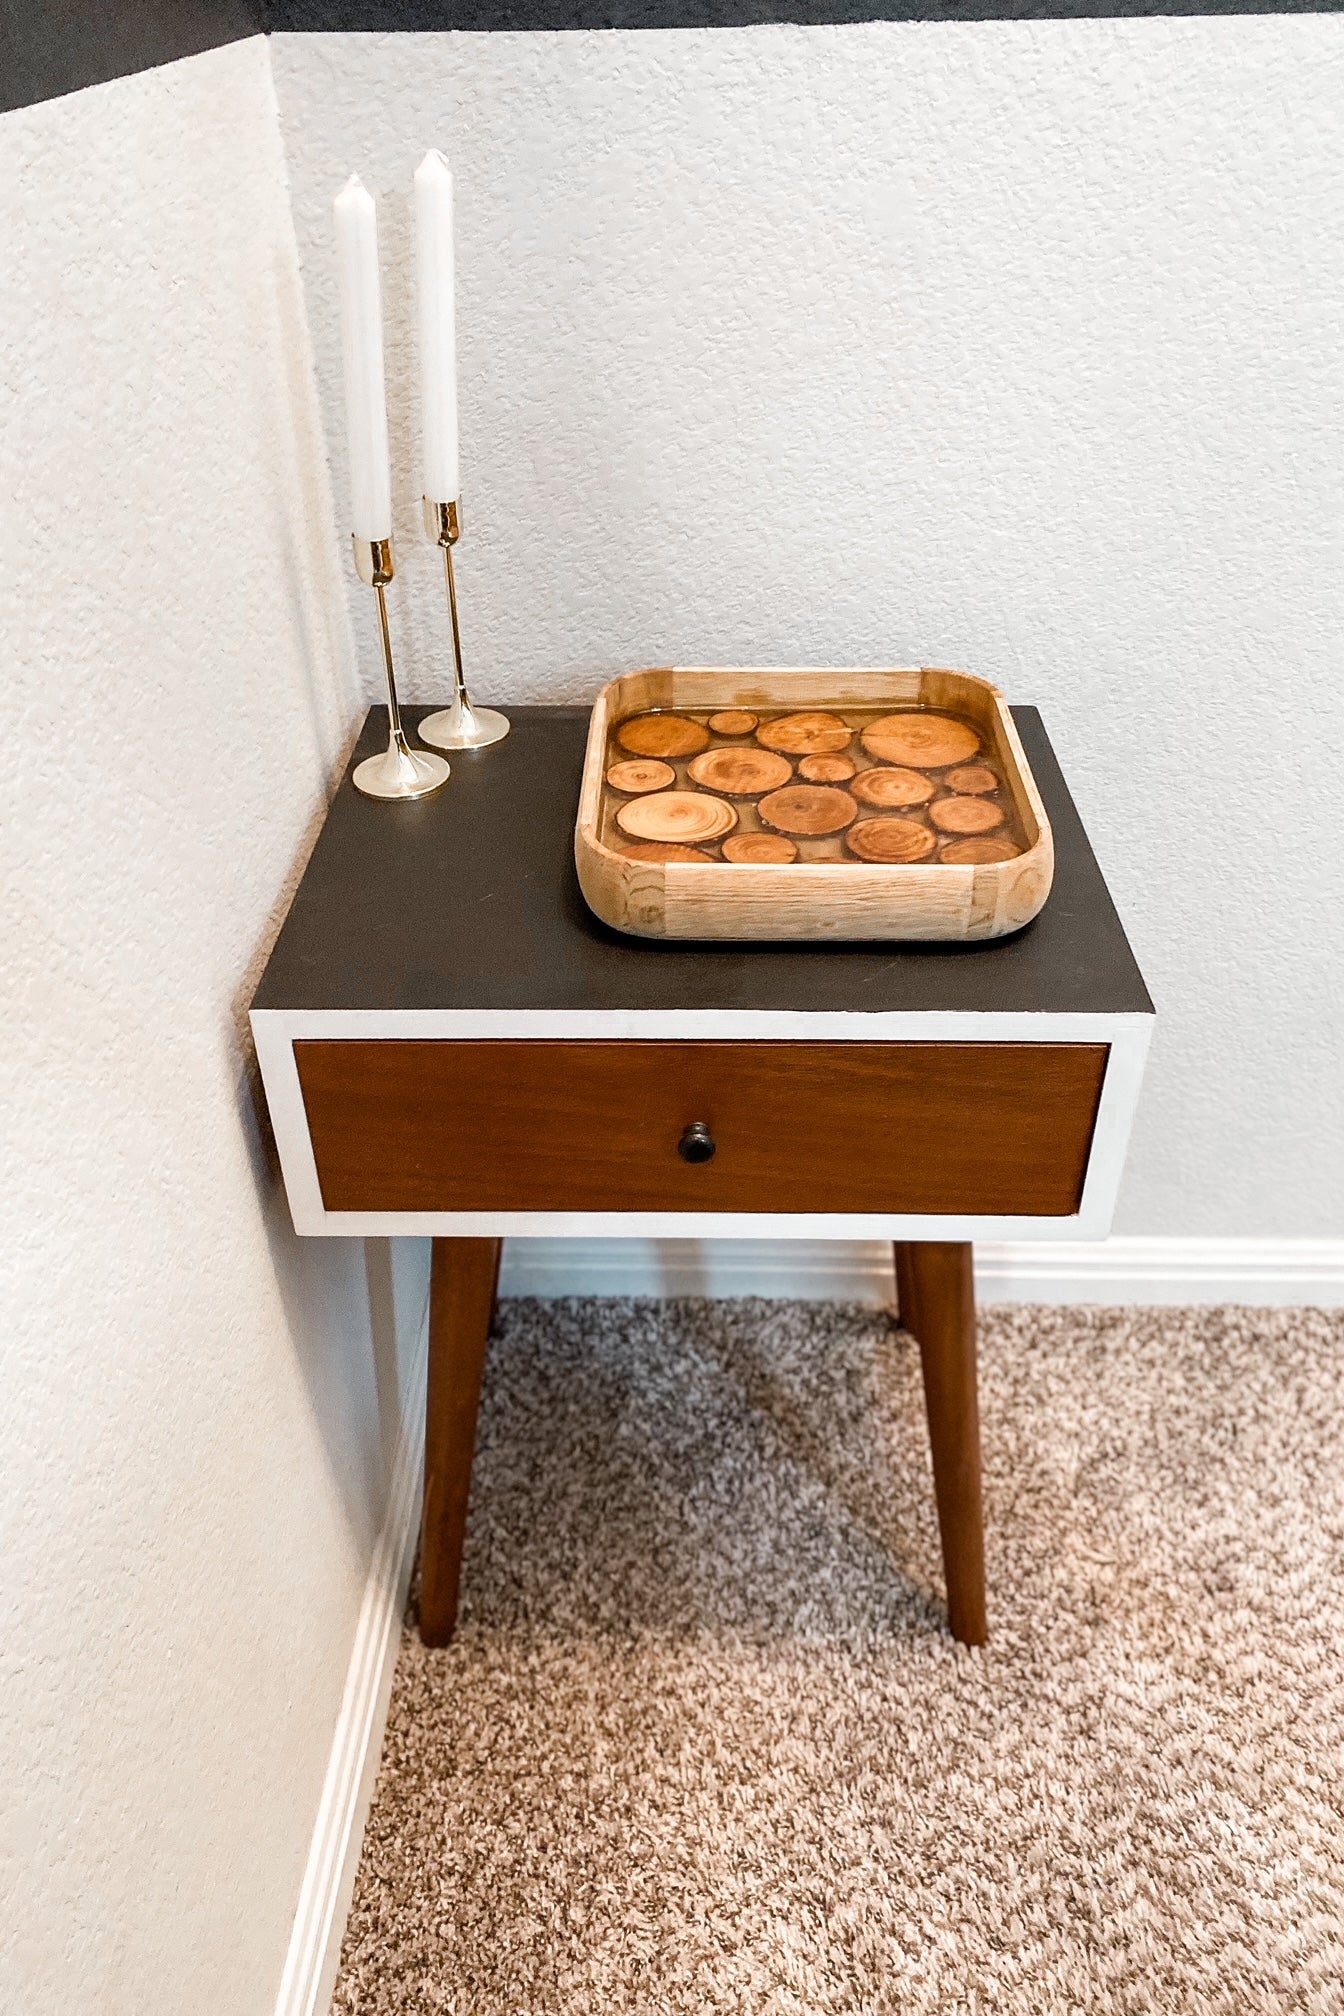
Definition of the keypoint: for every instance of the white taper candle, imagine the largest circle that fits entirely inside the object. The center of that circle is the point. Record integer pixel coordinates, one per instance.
(437, 326)
(362, 345)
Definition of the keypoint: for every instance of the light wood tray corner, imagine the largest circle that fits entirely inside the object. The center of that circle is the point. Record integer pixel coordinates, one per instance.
(807, 900)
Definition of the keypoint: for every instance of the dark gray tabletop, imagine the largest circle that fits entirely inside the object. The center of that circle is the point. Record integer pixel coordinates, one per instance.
(469, 899)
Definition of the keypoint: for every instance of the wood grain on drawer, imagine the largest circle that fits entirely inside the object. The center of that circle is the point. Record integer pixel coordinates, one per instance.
(590, 1126)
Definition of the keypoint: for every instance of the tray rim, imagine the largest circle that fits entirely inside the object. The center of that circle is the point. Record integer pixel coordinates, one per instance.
(861, 879)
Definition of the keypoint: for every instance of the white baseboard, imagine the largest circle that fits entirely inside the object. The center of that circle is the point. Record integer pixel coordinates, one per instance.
(329, 1880)
(1259, 1272)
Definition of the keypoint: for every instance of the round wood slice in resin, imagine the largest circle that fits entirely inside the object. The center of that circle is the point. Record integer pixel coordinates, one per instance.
(732, 721)
(663, 850)
(811, 809)
(973, 779)
(688, 816)
(759, 847)
(891, 787)
(741, 773)
(805, 734)
(662, 735)
(641, 774)
(889, 840)
(827, 769)
(924, 741)
(965, 815)
(974, 852)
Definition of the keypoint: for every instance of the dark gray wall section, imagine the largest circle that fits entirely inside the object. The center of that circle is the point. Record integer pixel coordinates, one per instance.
(49, 47)
(388, 15)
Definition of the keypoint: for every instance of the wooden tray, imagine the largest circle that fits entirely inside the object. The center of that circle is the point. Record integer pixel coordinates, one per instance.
(827, 891)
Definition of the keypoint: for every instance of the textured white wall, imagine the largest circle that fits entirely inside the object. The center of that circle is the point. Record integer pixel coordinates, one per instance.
(1012, 346)
(195, 1410)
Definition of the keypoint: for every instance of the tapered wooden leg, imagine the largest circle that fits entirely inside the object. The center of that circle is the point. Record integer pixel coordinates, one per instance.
(935, 1287)
(461, 1303)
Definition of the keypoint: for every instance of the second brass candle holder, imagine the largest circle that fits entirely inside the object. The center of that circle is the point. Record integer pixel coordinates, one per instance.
(400, 772)
(460, 726)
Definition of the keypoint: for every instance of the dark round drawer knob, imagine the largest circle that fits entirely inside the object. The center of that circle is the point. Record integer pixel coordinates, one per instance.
(697, 1144)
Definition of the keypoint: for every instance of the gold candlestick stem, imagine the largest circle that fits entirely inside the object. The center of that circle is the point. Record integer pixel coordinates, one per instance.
(460, 726)
(451, 579)
(400, 772)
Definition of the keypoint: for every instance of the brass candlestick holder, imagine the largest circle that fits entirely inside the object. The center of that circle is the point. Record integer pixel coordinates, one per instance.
(460, 726)
(400, 772)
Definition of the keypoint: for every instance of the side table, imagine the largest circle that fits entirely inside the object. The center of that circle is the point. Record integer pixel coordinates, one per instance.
(453, 1046)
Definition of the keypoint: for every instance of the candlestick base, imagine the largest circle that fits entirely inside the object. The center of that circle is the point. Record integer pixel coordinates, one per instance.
(463, 726)
(400, 772)
(460, 726)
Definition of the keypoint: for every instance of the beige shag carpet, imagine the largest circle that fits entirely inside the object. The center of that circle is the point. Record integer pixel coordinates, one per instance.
(702, 1744)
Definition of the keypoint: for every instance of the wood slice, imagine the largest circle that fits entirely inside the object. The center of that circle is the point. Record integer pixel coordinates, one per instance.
(663, 850)
(924, 741)
(642, 774)
(965, 815)
(688, 816)
(889, 840)
(808, 808)
(964, 853)
(732, 721)
(742, 773)
(890, 787)
(662, 735)
(805, 734)
(827, 769)
(973, 779)
(759, 847)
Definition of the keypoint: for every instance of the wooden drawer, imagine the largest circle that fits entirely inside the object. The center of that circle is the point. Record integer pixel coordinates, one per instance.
(989, 1128)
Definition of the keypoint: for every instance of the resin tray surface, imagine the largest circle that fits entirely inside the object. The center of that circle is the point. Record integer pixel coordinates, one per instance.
(721, 803)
